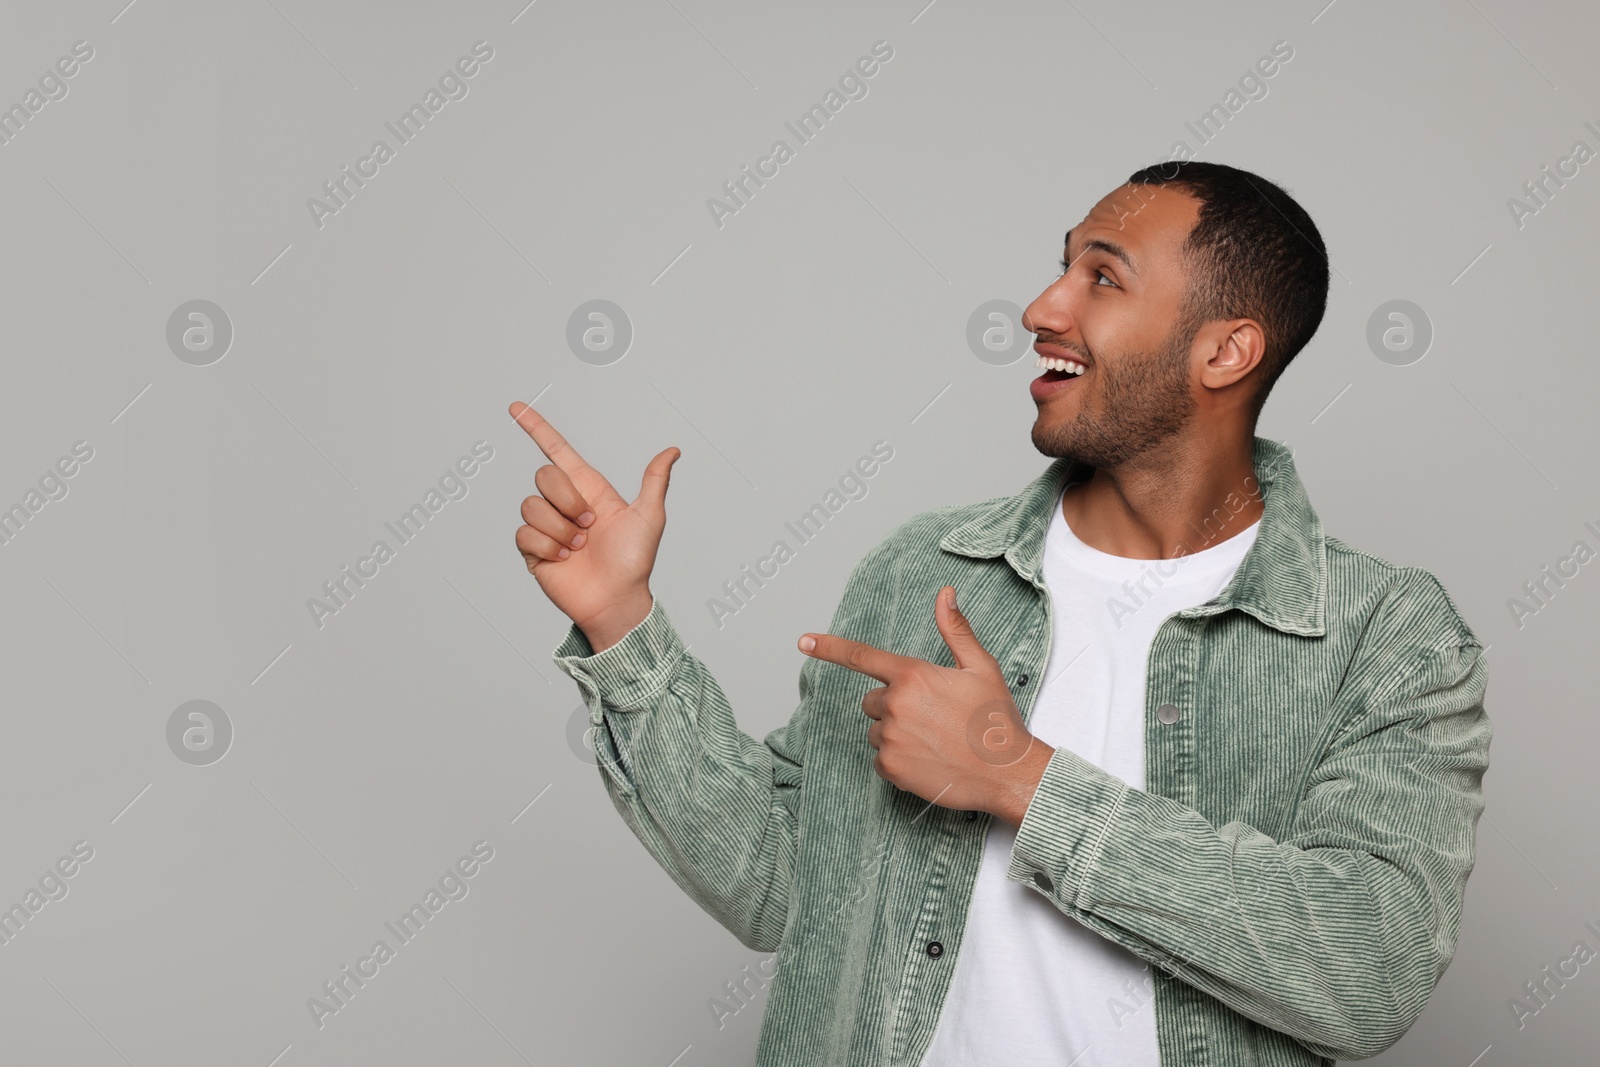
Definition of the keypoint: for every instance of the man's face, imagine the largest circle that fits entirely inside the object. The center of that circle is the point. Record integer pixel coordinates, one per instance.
(1115, 310)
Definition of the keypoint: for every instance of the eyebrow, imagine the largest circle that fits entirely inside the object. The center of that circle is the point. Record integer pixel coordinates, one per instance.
(1109, 247)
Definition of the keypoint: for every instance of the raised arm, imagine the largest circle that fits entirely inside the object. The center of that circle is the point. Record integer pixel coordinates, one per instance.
(717, 810)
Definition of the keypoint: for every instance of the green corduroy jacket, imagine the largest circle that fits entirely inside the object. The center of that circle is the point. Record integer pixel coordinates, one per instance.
(1293, 872)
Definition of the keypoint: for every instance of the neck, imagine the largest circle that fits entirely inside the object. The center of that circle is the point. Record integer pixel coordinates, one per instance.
(1180, 498)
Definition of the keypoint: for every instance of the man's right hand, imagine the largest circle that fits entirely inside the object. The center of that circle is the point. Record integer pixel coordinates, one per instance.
(591, 550)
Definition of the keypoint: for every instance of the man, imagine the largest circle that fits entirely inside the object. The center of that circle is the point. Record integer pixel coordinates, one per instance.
(1179, 780)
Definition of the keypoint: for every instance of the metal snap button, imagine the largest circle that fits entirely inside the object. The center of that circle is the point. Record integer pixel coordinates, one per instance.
(1168, 713)
(935, 949)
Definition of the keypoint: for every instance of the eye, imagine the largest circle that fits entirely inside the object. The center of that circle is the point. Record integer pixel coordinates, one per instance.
(1099, 275)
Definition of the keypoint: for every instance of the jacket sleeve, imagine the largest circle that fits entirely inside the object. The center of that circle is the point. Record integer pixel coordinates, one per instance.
(1336, 935)
(717, 809)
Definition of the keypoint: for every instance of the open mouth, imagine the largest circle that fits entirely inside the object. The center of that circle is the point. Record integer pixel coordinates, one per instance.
(1059, 370)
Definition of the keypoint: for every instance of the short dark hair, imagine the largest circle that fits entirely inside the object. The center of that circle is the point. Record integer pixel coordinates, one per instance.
(1255, 254)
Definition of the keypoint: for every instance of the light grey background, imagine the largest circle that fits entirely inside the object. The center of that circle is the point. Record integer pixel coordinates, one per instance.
(372, 352)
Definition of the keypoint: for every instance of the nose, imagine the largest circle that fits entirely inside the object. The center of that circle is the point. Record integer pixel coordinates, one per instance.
(1050, 311)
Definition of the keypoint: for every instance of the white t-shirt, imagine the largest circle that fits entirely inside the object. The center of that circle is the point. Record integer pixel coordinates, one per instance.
(1032, 985)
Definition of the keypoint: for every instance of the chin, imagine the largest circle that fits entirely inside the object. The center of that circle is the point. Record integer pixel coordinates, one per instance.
(1050, 440)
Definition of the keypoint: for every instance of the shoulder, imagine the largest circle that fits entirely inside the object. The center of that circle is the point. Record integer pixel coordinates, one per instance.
(902, 568)
(918, 537)
(1408, 603)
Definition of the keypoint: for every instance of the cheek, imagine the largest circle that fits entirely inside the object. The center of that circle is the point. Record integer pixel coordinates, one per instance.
(1122, 341)
(1110, 326)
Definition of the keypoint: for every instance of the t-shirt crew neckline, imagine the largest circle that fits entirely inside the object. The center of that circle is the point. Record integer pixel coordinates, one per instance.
(1108, 565)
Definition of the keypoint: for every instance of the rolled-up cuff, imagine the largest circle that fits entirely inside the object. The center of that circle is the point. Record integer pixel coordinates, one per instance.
(1058, 841)
(630, 674)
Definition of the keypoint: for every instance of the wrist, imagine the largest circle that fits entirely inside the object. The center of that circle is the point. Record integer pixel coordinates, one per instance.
(1016, 783)
(613, 624)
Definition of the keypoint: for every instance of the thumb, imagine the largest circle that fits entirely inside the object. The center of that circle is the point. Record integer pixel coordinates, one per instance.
(958, 633)
(653, 487)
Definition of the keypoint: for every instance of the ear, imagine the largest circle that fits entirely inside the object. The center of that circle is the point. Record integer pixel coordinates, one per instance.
(1234, 348)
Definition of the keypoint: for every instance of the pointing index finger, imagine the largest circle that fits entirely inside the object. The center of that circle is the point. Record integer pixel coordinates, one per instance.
(855, 656)
(551, 443)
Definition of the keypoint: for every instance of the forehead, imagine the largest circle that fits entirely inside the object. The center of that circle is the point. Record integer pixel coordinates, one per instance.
(1149, 222)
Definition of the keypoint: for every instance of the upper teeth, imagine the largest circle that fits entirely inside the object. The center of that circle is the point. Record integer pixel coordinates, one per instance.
(1067, 365)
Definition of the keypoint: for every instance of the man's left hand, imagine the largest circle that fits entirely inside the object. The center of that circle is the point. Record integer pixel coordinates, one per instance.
(951, 735)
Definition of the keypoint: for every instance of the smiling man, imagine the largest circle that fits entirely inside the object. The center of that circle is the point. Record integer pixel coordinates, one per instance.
(1181, 780)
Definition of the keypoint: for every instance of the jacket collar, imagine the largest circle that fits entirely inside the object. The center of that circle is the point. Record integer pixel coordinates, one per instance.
(1282, 580)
